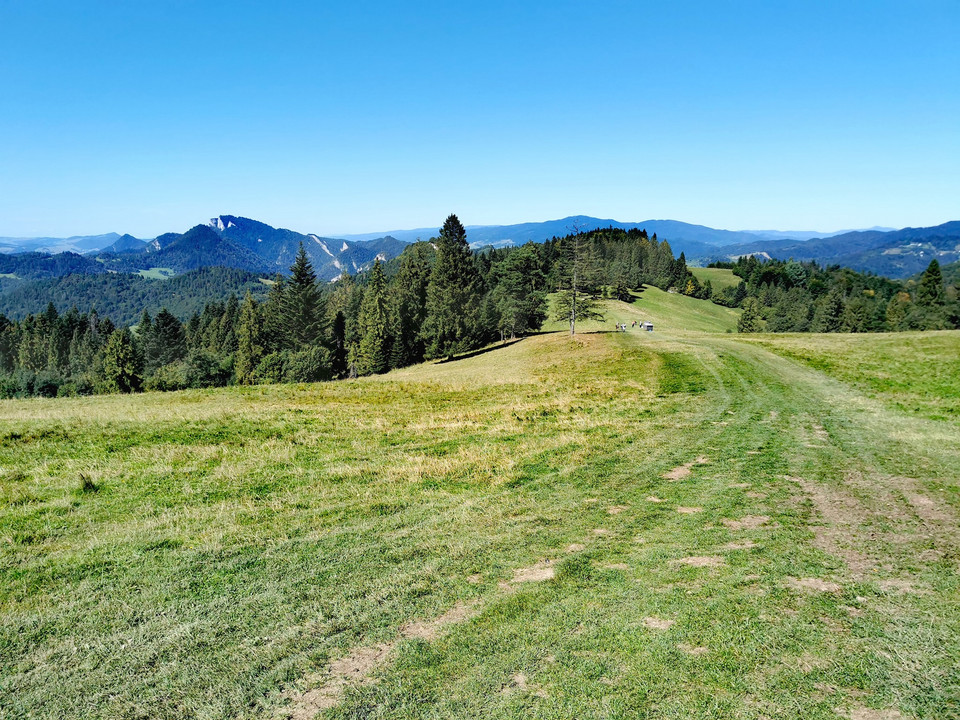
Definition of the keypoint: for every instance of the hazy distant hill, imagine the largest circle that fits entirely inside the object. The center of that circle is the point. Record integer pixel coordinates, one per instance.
(77, 244)
(694, 240)
(127, 243)
(31, 266)
(896, 254)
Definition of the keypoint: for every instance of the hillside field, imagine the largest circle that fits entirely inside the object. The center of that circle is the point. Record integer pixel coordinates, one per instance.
(687, 523)
(719, 277)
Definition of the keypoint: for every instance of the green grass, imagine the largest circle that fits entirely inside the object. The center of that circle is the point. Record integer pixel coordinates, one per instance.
(208, 554)
(915, 372)
(719, 277)
(670, 313)
(157, 273)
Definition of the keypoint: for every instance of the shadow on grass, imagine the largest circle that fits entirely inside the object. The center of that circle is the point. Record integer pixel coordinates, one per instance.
(481, 351)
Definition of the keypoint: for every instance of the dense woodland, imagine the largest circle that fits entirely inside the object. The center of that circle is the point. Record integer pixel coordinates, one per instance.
(778, 296)
(437, 299)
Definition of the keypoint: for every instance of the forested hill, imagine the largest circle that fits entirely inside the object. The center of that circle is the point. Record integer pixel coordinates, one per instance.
(123, 297)
(440, 299)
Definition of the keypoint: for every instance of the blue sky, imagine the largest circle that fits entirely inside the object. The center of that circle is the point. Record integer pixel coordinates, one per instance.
(146, 117)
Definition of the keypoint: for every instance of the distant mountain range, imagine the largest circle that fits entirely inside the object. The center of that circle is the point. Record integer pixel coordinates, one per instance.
(242, 243)
(895, 253)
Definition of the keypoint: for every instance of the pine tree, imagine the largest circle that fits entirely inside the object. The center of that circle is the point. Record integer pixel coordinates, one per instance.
(573, 303)
(408, 303)
(930, 293)
(338, 359)
(453, 295)
(751, 319)
(170, 341)
(249, 348)
(301, 306)
(828, 315)
(373, 353)
(122, 363)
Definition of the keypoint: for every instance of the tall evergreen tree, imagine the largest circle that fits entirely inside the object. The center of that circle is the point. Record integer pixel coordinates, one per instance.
(408, 300)
(338, 358)
(930, 292)
(249, 347)
(301, 306)
(751, 319)
(573, 302)
(122, 363)
(453, 295)
(170, 341)
(373, 354)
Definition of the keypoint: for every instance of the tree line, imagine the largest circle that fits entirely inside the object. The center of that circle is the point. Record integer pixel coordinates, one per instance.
(790, 296)
(437, 299)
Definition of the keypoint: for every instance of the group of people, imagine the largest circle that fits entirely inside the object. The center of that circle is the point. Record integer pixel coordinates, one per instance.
(622, 327)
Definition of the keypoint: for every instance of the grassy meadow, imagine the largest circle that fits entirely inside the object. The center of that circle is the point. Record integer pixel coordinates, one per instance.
(719, 277)
(680, 524)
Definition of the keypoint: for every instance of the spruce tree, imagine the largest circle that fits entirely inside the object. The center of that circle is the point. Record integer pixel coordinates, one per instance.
(751, 319)
(373, 353)
(170, 341)
(122, 363)
(301, 305)
(249, 348)
(408, 303)
(930, 293)
(453, 295)
(338, 359)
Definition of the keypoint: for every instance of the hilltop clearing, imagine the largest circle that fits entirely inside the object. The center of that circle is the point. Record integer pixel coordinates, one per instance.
(684, 523)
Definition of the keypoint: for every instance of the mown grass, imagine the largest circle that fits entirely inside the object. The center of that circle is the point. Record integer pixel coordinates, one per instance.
(719, 277)
(669, 312)
(915, 372)
(208, 553)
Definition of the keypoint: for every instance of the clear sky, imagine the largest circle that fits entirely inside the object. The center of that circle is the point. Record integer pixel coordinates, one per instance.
(337, 117)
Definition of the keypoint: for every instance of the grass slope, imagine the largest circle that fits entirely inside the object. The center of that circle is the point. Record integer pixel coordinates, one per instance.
(615, 525)
(719, 277)
(669, 312)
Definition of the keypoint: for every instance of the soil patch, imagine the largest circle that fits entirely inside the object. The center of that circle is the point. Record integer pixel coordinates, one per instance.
(655, 623)
(688, 510)
(900, 587)
(813, 584)
(871, 714)
(654, 499)
(842, 514)
(430, 629)
(543, 570)
(747, 522)
(616, 509)
(695, 650)
(701, 561)
(682, 471)
(740, 545)
(354, 668)
(575, 547)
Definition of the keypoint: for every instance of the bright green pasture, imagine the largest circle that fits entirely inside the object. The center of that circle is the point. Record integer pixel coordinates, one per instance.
(917, 372)
(669, 312)
(691, 527)
(719, 277)
(157, 273)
